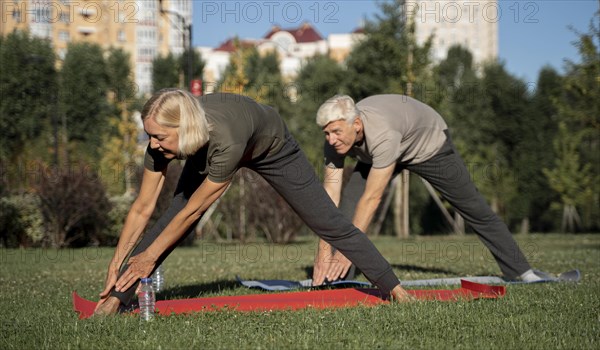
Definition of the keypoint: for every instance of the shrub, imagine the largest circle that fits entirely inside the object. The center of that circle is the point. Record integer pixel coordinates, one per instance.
(120, 206)
(75, 207)
(21, 221)
(264, 211)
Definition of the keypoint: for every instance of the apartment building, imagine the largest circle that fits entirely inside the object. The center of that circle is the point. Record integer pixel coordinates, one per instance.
(136, 26)
(472, 24)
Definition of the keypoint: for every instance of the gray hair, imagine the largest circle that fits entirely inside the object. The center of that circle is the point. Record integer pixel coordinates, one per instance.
(339, 107)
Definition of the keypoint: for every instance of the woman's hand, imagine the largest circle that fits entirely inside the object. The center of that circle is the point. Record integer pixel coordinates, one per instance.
(400, 295)
(111, 279)
(140, 266)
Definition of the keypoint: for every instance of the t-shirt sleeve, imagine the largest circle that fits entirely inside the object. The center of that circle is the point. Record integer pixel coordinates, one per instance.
(154, 160)
(387, 150)
(223, 162)
(332, 158)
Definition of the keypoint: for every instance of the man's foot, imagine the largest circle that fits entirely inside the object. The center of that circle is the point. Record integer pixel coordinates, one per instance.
(400, 295)
(109, 307)
(530, 276)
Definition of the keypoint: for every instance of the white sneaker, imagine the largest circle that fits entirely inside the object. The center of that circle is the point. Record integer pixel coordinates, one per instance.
(530, 276)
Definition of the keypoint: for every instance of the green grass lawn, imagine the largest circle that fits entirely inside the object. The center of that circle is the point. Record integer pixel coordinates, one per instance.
(36, 310)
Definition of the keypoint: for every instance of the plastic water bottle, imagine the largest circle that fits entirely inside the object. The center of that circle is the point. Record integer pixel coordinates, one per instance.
(146, 300)
(158, 279)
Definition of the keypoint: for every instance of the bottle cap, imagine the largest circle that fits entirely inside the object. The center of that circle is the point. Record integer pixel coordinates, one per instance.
(147, 280)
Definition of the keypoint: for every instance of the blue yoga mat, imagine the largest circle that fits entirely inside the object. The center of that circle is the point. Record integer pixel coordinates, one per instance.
(279, 285)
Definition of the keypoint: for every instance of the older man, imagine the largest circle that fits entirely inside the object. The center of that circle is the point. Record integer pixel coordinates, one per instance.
(389, 133)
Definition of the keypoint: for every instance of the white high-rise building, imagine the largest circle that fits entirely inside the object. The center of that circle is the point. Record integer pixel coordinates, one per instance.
(177, 29)
(159, 33)
(471, 24)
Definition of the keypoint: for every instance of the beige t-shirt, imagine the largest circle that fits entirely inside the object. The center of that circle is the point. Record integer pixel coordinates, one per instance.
(397, 129)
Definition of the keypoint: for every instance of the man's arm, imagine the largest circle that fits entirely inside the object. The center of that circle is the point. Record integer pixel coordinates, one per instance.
(141, 265)
(377, 181)
(337, 265)
(333, 183)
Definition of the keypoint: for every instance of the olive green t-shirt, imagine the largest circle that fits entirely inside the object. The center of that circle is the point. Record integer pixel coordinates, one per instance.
(242, 131)
(397, 129)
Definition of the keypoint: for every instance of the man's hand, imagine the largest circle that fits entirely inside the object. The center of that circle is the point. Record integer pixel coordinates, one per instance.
(140, 266)
(330, 267)
(322, 262)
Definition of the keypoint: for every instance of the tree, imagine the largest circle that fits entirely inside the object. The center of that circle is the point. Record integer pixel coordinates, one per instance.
(579, 110)
(120, 76)
(197, 66)
(318, 80)
(389, 58)
(508, 99)
(84, 88)
(258, 77)
(456, 85)
(569, 177)
(165, 72)
(120, 144)
(458, 98)
(535, 152)
(234, 78)
(28, 83)
(490, 126)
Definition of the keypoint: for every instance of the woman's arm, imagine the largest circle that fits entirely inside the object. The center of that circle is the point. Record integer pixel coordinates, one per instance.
(139, 214)
(135, 223)
(142, 264)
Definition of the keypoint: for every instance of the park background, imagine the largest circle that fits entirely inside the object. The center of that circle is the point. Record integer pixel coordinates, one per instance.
(70, 164)
(70, 153)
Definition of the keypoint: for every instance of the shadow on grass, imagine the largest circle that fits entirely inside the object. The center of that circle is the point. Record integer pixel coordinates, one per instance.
(404, 267)
(415, 268)
(196, 290)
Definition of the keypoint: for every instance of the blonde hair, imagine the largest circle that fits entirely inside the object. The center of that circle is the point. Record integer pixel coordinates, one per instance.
(175, 108)
(339, 107)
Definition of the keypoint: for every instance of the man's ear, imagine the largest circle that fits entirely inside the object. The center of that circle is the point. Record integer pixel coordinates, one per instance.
(357, 124)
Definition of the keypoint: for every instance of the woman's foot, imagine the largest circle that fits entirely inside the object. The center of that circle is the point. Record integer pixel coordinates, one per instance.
(109, 307)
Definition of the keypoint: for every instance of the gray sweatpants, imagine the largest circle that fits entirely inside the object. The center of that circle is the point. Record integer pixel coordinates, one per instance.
(292, 176)
(447, 173)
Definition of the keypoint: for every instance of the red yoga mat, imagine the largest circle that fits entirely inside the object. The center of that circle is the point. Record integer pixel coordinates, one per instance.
(319, 299)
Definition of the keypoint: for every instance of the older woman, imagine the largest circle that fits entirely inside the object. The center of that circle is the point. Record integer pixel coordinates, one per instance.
(217, 135)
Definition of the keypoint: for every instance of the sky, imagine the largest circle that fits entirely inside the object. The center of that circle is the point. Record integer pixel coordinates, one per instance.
(532, 34)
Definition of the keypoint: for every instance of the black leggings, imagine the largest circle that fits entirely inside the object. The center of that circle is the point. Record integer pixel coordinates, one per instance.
(447, 173)
(292, 176)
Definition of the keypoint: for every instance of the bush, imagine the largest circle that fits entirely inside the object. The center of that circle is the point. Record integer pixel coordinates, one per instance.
(265, 212)
(21, 221)
(120, 206)
(75, 207)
